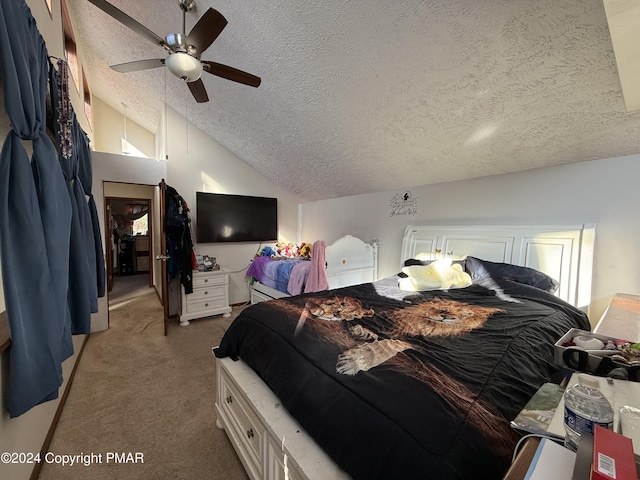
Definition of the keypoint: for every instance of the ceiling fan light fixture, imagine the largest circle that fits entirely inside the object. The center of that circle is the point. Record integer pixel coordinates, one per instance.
(184, 66)
(184, 50)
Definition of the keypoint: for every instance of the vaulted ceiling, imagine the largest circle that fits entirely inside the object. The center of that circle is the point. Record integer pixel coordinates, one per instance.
(365, 96)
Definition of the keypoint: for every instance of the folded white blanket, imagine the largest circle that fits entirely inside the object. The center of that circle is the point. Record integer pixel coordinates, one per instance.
(438, 275)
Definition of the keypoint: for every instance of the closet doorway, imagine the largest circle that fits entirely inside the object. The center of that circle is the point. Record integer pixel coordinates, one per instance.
(130, 221)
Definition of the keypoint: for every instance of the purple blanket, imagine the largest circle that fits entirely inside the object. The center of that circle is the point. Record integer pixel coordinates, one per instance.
(256, 269)
(275, 272)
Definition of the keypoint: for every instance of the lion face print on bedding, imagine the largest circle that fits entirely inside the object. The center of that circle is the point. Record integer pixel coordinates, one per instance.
(339, 308)
(435, 317)
(440, 317)
(364, 348)
(336, 320)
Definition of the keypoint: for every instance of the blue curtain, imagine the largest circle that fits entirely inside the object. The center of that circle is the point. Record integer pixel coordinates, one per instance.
(85, 175)
(88, 240)
(50, 242)
(35, 219)
(84, 256)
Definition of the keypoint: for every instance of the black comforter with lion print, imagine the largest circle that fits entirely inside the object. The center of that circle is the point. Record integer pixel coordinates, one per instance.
(399, 385)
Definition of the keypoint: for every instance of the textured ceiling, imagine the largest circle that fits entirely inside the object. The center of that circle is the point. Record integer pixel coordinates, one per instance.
(359, 97)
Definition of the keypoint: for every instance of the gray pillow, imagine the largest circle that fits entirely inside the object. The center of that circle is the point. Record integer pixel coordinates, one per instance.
(478, 268)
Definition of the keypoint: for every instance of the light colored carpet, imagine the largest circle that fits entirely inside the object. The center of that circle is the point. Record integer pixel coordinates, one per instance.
(128, 287)
(138, 391)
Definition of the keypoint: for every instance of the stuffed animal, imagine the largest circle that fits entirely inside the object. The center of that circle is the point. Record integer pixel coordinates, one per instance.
(290, 250)
(305, 250)
(267, 252)
(280, 247)
(439, 275)
(286, 249)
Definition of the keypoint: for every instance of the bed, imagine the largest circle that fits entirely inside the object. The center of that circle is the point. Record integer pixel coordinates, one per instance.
(371, 381)
(349, 261)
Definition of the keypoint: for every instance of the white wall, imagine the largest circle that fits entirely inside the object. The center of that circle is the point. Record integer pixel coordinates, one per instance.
(109, 130)
(199, 163)
(604, 192)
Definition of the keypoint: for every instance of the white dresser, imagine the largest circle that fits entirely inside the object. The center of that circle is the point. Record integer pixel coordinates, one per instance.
(210, 296)
(270, 444)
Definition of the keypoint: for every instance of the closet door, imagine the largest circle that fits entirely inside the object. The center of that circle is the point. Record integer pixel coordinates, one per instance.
(109, 243)
(162, 257)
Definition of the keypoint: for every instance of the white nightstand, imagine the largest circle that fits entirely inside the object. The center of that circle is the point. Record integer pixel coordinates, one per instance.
(210, 296)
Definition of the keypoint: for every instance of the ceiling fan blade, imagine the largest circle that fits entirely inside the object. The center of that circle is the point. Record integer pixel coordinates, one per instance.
(129, 22)
(198, 91)
(138, 65)
(207, 29)
(231, 73)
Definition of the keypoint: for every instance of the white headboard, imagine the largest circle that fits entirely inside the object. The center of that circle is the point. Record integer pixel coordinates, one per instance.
(564, 252)
(351, 261)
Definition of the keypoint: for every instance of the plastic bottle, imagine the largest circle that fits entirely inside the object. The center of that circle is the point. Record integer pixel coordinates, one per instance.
(584, 407)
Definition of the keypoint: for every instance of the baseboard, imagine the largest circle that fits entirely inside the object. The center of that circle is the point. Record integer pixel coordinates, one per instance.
(54, 422)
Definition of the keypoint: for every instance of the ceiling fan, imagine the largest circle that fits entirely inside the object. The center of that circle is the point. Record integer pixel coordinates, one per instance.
(184, 50)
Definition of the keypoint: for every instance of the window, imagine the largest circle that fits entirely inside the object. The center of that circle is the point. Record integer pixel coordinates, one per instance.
(70, 50)
(87, 99)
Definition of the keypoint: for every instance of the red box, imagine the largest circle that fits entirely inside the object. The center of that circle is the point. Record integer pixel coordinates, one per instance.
(612, 456)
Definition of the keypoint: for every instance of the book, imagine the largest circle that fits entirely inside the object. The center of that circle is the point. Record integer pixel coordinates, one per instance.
(536, 415)
(551, 460)
(612, 456)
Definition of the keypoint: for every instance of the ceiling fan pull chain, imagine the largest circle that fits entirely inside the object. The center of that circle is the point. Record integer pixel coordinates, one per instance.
(186, 119)
(166, 120)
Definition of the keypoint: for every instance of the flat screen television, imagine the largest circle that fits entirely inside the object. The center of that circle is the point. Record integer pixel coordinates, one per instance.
(235, 218)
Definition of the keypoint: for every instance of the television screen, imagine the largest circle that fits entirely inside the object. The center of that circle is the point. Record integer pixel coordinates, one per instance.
(235, 218)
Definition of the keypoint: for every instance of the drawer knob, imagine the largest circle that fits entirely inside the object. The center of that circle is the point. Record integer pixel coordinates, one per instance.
(206, 293)
(206, 304)
(206, 280)
(229, 399)
(250, 433)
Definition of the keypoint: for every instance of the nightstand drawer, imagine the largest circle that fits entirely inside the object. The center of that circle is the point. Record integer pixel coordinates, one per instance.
(206, 293)
(205, 281)
(205, 305)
